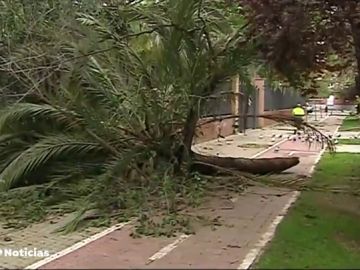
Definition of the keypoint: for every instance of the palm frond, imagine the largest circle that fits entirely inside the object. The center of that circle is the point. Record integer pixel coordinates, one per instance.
(6, 138)
(30, 113)
(41, 153)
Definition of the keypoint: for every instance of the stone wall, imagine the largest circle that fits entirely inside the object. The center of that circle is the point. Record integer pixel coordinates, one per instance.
(268, 122)
(210, 131)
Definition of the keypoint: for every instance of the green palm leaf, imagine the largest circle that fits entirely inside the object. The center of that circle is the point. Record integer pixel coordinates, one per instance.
(21, 113)
(46, 150)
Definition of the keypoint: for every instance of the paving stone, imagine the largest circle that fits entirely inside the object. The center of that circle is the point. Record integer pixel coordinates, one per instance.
(348, 148)
(349, 134)
(40, 236)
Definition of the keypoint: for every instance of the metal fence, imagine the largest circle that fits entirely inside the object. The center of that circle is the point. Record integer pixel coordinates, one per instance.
(219, 103)
(279, 100)
(248, 105)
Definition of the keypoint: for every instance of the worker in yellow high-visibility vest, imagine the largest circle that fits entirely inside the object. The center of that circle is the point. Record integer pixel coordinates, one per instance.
(298, 112)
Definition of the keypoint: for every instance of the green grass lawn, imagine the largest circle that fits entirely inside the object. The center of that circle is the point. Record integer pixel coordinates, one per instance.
(322, 230)
(350, 123)
(349, 141)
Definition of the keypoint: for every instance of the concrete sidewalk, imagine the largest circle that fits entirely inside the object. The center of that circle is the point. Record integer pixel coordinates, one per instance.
(348, 148)
(248, 222)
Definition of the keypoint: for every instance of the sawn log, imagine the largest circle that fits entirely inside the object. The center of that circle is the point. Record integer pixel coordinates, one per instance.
(262, 166)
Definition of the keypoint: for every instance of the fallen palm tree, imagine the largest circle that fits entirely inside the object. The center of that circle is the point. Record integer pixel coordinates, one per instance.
(309, 130)
(204, 164)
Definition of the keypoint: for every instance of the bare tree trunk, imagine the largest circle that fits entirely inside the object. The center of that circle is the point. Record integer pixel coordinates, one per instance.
(355, 30)
(357, 53)
(213, 164)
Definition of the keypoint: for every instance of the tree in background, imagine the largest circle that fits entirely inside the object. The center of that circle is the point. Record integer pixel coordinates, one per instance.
(304, 39)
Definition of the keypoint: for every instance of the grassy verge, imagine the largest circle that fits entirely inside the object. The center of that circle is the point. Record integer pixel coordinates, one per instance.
(349, 141)
(322, 229)
(350, 123)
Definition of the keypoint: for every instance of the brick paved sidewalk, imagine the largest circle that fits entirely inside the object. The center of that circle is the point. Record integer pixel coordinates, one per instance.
(245, 220)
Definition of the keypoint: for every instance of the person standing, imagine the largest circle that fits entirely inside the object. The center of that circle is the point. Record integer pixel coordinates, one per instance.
(309, 108)
(298, 112)
(357, 102)
(330, 103)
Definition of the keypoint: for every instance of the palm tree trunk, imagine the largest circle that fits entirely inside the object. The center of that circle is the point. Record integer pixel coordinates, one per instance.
(188, 135)
(215, 165)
